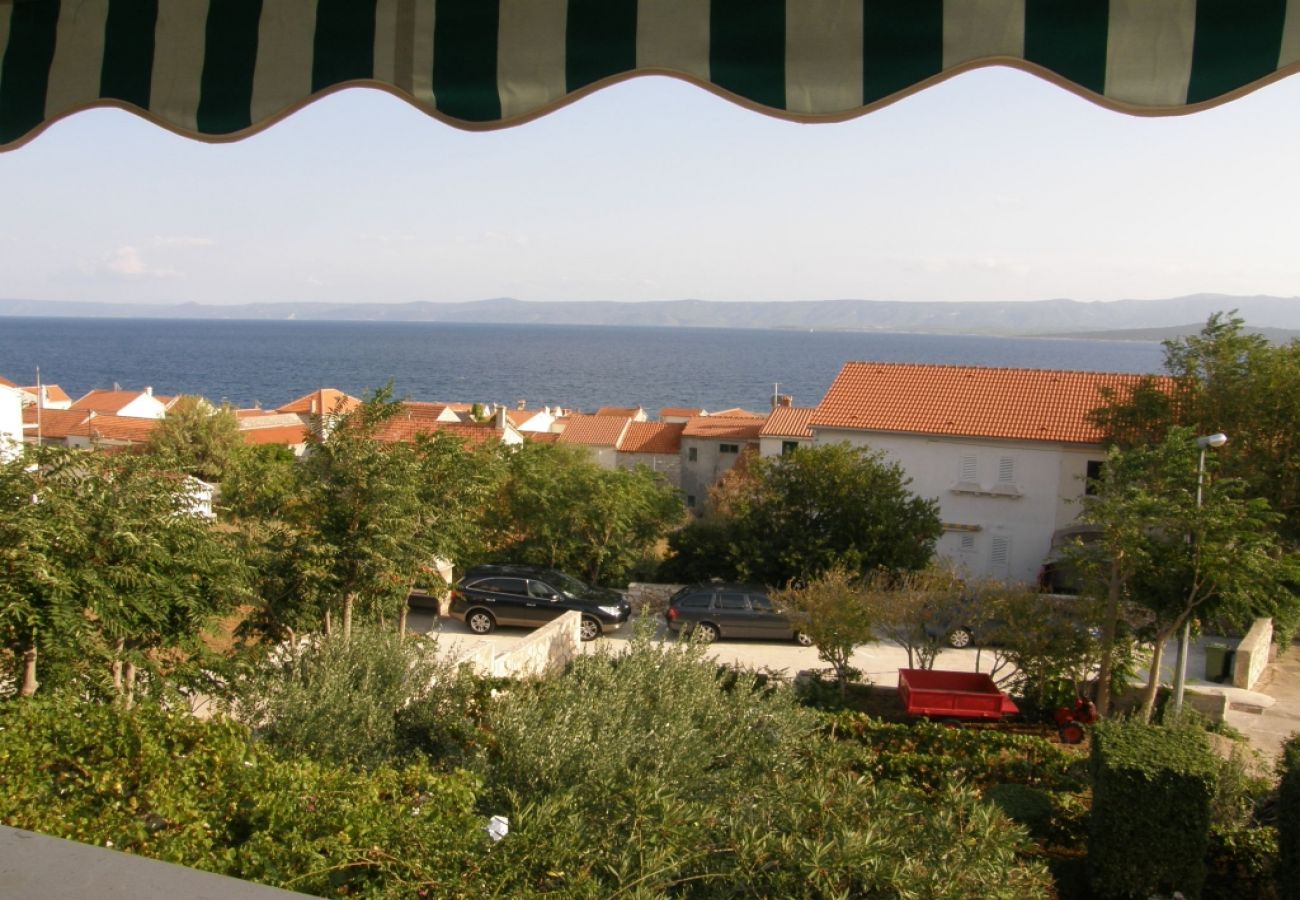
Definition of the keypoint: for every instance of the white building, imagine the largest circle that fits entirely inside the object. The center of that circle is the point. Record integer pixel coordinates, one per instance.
(785, 430)
(1006, 452)
(128, 404)
(11, 421)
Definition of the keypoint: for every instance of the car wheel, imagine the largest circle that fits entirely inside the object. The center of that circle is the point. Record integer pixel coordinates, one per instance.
(1071, 733)
(959, 638)
(804, 638)
(705, 633)
(590, 629)
(480, 622)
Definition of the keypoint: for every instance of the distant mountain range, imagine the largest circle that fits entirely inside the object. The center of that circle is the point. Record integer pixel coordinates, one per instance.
(1152, 319)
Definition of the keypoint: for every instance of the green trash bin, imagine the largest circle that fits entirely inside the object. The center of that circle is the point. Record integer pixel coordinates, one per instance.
(1216, 661)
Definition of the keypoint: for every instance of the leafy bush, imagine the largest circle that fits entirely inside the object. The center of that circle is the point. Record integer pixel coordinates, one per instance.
(369, 699)
(1288, 817)
(649, 774)
(1152, 792)
(202, 794)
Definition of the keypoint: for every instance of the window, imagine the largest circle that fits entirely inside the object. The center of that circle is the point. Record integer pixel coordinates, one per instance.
(541, 591)
(967, 544)
(969, 470)
(731, 600)
(728, 448)
(1095, 467)
(500, 585)
(695, 601)
(690, 501)
(692, 454)
(788, 447)
(1000, 556)
(1006, 470)
(760, 602)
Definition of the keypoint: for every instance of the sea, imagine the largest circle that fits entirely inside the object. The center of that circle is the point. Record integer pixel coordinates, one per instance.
(270, 363)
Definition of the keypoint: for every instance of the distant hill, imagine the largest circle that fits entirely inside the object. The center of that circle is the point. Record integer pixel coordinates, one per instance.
(1272, 335)
(1036, 317)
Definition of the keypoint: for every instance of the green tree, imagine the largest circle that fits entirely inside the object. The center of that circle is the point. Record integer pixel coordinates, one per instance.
(258, 482)
(1225, 380)
(919, 610)
(1180, 559)
(559, 508)
(109, 562)
(795, 516)
(197, 439)
(835, 611)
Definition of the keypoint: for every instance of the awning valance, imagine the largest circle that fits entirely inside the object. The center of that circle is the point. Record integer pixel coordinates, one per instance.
(223, 69)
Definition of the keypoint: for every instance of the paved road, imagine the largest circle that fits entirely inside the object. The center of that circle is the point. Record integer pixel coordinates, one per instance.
(879, 663)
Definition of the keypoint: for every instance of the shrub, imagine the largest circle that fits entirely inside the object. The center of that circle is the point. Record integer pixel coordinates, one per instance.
(1288, 817)
(369, 699)
(203, 794)
(649, 774)
(1152, 792)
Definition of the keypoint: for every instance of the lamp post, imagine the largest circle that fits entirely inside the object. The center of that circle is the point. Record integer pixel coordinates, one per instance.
(1218, 439)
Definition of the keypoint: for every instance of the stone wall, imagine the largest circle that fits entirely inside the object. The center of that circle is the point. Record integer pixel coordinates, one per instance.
(549, 648)
(650, 599)
(1252, 654)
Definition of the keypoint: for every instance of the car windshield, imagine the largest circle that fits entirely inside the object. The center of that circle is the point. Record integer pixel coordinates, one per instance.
(566, 583)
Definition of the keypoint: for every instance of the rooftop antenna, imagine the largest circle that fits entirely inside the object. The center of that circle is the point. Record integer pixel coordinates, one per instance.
(775, 396)
(40, 401)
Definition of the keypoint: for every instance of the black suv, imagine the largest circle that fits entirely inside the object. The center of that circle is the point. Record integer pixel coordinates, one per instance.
(492, 595)
(717, 609)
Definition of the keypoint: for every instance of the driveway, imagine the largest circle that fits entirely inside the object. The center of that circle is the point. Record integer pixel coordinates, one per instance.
(879, 662)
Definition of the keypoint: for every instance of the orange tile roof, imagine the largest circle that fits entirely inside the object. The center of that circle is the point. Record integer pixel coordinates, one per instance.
(737, 413)
(594, 431)
(402, 428)
(971, 401)
(518, 417)
(55, 423)
(108, 402)
(6, 382)
(619, 411)
(114, 428)
(788, 421)
(276, 434)
(325, 401)
(542, 437)
(653, 437)
(53, 393)
(685, 412)
(421, 409)
(736, 428)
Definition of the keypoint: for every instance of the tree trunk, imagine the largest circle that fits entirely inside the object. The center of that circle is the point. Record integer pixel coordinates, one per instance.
(1153, 679)
(30, 684)
(128, 679)
(117, 666)
(347, 617)
(329, 624)
(401, 618)
(1108, 627)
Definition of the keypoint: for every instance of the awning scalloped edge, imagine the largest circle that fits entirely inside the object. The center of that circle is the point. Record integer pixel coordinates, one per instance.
(221, 71)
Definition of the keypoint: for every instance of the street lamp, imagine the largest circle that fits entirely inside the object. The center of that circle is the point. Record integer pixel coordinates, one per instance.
(1216, 440)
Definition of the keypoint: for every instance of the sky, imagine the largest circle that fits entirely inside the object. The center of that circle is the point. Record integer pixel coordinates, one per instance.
(994, 185)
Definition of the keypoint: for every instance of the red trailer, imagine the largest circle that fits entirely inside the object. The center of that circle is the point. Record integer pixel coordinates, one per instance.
(958, 695)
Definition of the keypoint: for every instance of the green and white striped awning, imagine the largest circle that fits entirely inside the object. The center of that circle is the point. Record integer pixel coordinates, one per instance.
(223, 69)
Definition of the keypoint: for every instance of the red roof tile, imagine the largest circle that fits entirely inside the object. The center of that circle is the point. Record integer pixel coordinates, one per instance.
(114, 428)
(788, 421)
(652, 437)
(971, 401)
(680, 412)
(276, 434)
(55, 423)
(107, 402)
(326, 401)
(736, 428)
(594, 431)
(737, 413)
(53, 393)
(625, 412)
(6, 382)
(401, 428)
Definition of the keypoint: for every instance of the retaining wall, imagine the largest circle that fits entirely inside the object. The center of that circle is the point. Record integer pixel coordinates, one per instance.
(1252, 654)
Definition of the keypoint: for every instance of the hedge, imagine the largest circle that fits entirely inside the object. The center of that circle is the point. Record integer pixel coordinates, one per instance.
(1288, 819)
(1150, 825)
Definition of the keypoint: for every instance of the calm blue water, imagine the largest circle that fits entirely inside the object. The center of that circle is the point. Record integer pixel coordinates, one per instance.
(581, 367)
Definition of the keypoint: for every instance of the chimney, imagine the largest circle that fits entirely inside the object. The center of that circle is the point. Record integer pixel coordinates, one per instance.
(521, 405)
(785, 400)
(314, 410)
(148, 390)
(499, 419)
